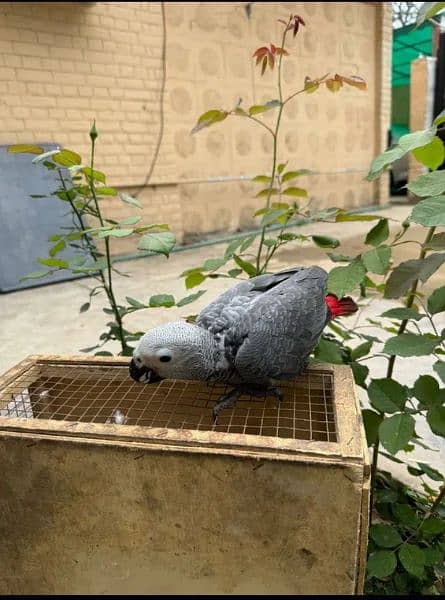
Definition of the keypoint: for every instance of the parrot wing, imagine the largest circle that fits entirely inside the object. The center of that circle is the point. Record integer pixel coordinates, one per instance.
(270, 323)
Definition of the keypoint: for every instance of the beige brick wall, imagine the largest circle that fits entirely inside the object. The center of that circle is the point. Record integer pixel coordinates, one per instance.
(418, 107)
(64, 64)
(210, 65)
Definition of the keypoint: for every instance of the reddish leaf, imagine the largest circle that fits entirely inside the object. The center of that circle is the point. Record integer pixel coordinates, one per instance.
(333, 84)
(353, 80)
(263, 68)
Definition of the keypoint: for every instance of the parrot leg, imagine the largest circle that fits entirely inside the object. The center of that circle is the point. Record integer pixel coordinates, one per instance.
(229, 400)
(225, 401)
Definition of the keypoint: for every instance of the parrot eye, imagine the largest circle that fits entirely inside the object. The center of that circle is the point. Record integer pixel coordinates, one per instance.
(165, 358)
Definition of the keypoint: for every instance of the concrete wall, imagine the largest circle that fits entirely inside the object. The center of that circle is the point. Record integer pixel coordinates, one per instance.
(63, 64)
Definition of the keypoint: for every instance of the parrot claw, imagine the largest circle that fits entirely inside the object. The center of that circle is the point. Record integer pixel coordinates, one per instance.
(226, 401)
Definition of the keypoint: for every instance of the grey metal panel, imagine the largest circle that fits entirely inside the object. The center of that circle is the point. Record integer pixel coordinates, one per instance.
(25, 222)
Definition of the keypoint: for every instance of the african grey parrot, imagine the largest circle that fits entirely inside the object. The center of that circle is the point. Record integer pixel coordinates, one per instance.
(262, 329)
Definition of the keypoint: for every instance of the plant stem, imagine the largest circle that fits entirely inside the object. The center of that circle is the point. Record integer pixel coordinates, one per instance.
(275, 152)
(109, 286)
(409, 302)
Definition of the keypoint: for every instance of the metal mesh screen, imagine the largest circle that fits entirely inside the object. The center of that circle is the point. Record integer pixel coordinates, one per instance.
(106, 394)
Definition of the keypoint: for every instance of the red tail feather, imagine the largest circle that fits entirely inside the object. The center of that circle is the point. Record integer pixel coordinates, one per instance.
(338, 308)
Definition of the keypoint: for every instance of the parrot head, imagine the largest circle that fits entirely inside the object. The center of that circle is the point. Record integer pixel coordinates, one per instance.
(177, 350)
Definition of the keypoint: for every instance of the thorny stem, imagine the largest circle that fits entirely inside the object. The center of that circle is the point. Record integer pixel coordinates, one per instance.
(109, 286)
(275, 151)
(409, 302)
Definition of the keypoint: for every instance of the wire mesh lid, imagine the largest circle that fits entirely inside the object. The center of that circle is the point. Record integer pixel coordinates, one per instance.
(97, 393)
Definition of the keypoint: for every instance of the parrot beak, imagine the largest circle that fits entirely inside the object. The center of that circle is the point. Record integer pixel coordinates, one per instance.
(143, 374)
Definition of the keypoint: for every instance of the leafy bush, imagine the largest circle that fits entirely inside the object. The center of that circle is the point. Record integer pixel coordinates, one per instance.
(83, 190)
(406, 548)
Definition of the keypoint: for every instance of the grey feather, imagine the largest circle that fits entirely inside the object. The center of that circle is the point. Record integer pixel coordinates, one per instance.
(269, 324)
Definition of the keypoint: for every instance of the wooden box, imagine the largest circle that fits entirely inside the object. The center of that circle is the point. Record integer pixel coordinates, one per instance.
(111, 486)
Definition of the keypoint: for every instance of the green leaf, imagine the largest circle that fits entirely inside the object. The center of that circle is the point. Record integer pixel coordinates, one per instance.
(295, 192)
(135, 303)
(25, 149)
(57, 248)
(411, 344)
(129, 200)
(404, 275)
(426, 389)
(428, 10)
(432, 526)
(441, 116)
(106, 191)
(436, 420)
(260, 108)
(418, 139)
(378, 234)
(234, 244)
(377, 260)
(340, 257)
(93, 174)
(165, 300)
(437, 242)
(430, 212)
(343, 216)
(405, 515)
(191, 298)
(281, 167)
(246, 243)
(381, 162)
(274, 216)
(432, 155)
(361, 350)
(160, 243)
(323, 241)
(371, 421)
(53, 262)
(342, 280)
(115, 233)
(436, 302)
(130, 221)
(387, 395)
(439, 367)
(360, 373)
(44, 156)
(433, 556)
(266, 192)
(35, 275)
(293, 174)
(193, 279)
(402, 313)
(84, 307)
(385, 536)
(261, 179)
(103, 353)
(247, 267)
(396, 431)
(432, 473)
(412, 559)
(234, 272)
(67, 158)
(430, 184)
(209, 118)
(327, 351)
(212, 264)
(381, 564)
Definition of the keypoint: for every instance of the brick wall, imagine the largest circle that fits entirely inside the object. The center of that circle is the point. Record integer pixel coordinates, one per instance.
(64, 64)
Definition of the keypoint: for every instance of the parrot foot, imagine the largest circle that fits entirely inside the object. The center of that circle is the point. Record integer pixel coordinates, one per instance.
(226, 401)
(229, 400)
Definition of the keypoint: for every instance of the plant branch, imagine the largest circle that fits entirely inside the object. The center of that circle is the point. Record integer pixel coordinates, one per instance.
(409, 302)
